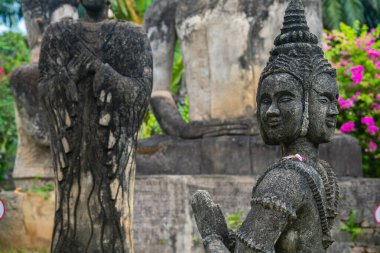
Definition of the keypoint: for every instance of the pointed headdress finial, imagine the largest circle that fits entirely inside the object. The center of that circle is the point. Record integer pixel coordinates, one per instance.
(295, 28)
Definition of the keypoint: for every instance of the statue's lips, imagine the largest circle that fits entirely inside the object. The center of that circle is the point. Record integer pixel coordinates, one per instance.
(331, 122)
(273, 122)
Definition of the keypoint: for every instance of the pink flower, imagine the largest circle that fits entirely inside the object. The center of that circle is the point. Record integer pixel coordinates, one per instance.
(370, 43)
(344, 62)
(372, 147)
(378, 64)
(345, 104)
(347, 127)
(2, 71)
(372, 52)
(378, 97)
(368, 121)
(326, 47)
(377, 76)
(376, 107)
(357, 74)
(373, 129)
(358, 68)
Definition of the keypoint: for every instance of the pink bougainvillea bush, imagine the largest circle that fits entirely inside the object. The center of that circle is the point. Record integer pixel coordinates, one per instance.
(355, 53)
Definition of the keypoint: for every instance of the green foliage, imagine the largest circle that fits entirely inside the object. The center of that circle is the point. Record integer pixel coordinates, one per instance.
(355, 53)
(178, 70)
(351, 226)
(8, 132)
(183, 109)
(150, 126)
(43, 191)
(131, 10)
(13, 53)
(349, 11)
(235, 220)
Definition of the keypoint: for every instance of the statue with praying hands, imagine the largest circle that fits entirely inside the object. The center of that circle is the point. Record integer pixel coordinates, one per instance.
(294, 203)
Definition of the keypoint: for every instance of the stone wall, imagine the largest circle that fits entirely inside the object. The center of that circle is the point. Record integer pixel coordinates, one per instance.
(163, 220)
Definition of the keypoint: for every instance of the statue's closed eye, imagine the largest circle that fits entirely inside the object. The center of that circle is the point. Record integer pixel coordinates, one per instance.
(285, 99)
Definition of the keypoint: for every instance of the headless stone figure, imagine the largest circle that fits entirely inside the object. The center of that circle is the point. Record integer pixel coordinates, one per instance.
(95, 84)
(33, 156)
(225, 44)
(294, 203)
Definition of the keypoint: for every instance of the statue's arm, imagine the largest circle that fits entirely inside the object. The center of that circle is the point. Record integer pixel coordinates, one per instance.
(128, 84)
(159, 23)
(274, 205)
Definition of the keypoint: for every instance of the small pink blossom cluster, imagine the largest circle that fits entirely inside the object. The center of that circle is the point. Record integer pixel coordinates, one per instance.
(347, 127)
(372, 147)
(370, 123)
(375, 107)
(2, 72)
(372, 52)
(357, 74)
(345, 104)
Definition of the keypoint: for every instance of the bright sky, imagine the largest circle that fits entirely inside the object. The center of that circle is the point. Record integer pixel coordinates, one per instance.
(19, 28)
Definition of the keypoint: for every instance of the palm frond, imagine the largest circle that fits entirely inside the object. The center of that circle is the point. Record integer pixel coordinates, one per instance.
(332, 13)
(354, 11)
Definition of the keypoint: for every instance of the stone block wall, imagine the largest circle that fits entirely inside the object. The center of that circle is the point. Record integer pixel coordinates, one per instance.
(163, 219)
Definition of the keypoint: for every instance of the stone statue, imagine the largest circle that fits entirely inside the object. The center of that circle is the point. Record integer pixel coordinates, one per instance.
(225, 45)
(33, 157)
(294, 203)
(95, 84)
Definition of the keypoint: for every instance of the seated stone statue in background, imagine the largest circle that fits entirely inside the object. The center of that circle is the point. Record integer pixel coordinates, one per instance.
(95, 84)
(225, 44)
(33, 158)
(294, 203)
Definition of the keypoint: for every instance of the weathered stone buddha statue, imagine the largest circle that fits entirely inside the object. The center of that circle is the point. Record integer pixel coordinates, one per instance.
(225, 46)
(95, 85)
(33, 157)
(294, 203)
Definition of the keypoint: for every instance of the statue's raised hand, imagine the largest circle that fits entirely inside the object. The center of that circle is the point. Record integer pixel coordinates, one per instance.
(208, 215)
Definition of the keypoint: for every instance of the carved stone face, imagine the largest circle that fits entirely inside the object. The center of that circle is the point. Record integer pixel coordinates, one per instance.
(94, 5)
(280, 109)
(323, 109)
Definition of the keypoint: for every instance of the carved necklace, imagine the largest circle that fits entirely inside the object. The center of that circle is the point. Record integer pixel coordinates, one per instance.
(296, 156)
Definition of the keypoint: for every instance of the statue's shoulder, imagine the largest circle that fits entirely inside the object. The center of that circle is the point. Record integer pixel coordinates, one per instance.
(125, 29)
(61, 30)
(290, 170)
(288, 177)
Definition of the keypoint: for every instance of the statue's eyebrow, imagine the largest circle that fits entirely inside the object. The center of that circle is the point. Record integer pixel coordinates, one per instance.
(285, 93)
(326, 94)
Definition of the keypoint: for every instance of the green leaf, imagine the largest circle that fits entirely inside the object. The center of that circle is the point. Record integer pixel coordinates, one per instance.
(332, 13)
(353, 11)
(375, 4)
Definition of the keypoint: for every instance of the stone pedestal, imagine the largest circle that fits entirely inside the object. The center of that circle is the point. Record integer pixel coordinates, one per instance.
(164, 219)
(234, 155)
